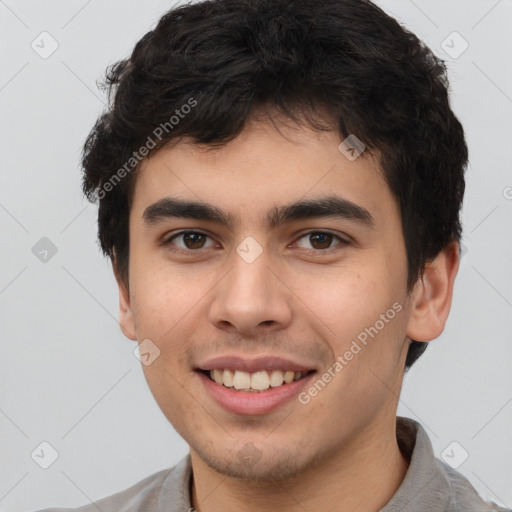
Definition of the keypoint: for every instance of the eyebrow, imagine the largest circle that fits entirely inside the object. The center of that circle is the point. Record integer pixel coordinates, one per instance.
(329, 206)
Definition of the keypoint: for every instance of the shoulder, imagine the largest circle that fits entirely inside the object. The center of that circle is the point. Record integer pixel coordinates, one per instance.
(463, 496)
(145, 495)
(430, 483)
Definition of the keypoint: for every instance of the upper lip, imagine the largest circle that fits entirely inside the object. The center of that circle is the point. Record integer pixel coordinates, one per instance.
(252, 365)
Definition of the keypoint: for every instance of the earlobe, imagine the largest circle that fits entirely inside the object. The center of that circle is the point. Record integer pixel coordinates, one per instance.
(431, 297)
(126, 319)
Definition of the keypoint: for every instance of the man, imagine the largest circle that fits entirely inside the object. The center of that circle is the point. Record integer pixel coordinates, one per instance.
(279, 188)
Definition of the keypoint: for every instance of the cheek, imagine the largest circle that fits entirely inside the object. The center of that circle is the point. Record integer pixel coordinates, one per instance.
(353, 301)
(166, 385)
(165, 295)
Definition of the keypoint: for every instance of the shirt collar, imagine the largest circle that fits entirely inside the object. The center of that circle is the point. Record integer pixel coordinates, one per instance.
(175, 493)
(425, 486)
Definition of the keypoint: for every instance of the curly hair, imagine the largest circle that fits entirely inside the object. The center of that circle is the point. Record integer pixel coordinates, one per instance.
(228, 59)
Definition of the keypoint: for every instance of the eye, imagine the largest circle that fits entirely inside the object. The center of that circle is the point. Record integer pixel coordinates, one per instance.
(320, 241)
(189, 240)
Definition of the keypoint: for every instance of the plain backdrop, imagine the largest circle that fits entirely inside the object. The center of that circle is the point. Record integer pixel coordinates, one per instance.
(68, 376)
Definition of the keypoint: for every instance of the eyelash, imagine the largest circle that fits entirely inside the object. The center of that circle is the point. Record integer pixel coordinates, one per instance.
(168, 242)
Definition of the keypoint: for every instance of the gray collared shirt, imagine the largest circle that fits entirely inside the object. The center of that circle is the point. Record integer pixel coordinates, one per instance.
(430, 485)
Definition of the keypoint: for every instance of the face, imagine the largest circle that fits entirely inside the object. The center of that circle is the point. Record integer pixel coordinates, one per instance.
(296, 275)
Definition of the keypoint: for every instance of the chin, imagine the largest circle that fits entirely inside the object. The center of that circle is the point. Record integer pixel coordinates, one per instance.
(250, 464)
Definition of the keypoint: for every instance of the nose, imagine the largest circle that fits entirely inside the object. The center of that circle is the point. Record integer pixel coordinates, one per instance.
(251, 299)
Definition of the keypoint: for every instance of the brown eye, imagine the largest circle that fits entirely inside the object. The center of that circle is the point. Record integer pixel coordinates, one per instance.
(193, 240)
(189, 240)
(320, 240)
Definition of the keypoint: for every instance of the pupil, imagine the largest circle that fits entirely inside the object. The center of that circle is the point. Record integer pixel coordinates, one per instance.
(325, 240)
(194, 240)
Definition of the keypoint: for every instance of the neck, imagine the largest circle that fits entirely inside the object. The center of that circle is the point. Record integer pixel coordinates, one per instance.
(362, 476)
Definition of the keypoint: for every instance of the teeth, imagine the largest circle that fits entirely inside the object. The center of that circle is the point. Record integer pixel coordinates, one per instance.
(241, 380)
(276, 378)
(217, 376)
(288, 377)
(257, 381)
(260, 380)
(227, 378)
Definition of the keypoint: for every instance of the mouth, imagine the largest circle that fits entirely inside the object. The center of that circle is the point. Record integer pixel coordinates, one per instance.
(260, 381)
(253, 393)
(253, 386)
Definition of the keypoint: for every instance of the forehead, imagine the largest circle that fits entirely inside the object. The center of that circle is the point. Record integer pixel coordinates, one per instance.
(262, 168)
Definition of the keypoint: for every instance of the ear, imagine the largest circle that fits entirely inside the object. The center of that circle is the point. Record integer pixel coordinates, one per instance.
(432, 295)
(126, 319)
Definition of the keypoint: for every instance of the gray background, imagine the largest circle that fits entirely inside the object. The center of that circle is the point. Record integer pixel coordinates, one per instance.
(68, 375)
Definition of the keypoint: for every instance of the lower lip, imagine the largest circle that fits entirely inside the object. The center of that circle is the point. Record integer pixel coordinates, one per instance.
(239, 402)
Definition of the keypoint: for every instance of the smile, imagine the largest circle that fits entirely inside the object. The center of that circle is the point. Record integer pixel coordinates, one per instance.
(255, 382)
